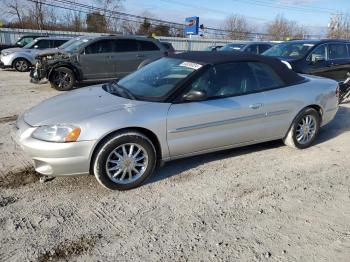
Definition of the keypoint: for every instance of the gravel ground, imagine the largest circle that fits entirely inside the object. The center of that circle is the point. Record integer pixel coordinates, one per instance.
(265, 202)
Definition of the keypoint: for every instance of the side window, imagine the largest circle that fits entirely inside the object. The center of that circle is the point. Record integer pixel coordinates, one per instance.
(58, 43)
(252, 49)
(236, 79)
(337, 51)
(99, 47)
(265, 76)
(263, 48)
(148, 46)
(318, 54)
(125, 45)
(41, 44)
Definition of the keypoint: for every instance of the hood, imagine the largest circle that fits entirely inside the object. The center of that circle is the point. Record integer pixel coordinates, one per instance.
(51, 51)
(11, 50)
(75, 106)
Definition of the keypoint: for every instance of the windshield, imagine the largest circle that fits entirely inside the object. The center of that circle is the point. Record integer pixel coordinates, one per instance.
(156, 79)
(232, 47)
(289, 50)
(68, 43)
(30, 45)
(75, 45)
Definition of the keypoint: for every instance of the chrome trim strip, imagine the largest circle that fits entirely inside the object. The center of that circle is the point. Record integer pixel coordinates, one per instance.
(228, 121)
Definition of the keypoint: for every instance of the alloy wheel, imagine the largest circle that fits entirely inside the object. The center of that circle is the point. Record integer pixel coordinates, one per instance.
(127, 163)
(306, 129)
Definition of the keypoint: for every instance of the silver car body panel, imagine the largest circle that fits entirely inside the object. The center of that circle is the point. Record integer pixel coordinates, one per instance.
(182, 129)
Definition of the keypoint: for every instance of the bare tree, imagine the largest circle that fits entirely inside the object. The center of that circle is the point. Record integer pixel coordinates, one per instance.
(110, 7)
(237, 27)
(339, 27)
(283, 29)
(15, 8)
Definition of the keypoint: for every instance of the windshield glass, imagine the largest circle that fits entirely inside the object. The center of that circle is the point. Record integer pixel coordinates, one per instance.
(289, 50)
(232, 47)
(75, 45)
(156, 79)
(68, 43)
(31, 44)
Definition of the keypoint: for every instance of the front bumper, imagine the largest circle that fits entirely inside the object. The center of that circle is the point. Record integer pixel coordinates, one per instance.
(5, 61)
(53, 159)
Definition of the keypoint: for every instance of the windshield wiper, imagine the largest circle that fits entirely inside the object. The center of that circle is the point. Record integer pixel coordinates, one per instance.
(121, 89)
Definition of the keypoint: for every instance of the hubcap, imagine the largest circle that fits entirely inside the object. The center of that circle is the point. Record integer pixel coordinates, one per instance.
(21, 65)
(306, 129)
(127, 163)
(62, 80)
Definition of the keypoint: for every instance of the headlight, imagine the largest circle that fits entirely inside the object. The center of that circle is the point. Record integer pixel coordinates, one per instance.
(57, 133)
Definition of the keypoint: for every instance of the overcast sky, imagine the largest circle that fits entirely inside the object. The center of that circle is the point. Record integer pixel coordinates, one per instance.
(313, 13)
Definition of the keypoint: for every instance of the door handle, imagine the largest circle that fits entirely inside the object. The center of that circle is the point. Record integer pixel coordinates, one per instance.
(109, 57)
(140, 56)
(256, 106)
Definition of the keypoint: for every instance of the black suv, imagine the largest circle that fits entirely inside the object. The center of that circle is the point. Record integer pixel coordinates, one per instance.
(21, 41)
(327, 58)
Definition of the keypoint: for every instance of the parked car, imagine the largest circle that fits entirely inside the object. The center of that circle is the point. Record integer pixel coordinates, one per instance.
(250, 47)
(213, 48)
(21, 41)
(178, 106)
(96, 58)
(327, 58)
(22, 59)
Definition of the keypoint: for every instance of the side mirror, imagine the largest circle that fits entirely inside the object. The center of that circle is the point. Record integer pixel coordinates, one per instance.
(36, 47)
(317, 59)
(194, 95)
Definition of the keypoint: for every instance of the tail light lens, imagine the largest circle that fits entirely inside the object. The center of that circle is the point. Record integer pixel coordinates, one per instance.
(337, 92)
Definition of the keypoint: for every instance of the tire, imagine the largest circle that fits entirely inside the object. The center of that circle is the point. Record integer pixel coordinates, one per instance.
(304, 129)
(21, 65)
(115, 169)
(62, 79)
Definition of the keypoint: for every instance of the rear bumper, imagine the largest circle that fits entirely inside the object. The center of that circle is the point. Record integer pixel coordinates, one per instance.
(53, 159)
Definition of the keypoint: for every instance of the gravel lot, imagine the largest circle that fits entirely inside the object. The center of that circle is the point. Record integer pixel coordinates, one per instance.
(259, 203)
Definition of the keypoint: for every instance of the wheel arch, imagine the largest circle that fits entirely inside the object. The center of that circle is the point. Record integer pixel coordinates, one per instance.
(318, 109)
(65, 65)
(18, 58)
(144, 131)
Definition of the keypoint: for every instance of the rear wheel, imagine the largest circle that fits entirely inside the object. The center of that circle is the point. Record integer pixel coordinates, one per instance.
(304, 130)
(62, 79)
(21, 65)
(124, 161)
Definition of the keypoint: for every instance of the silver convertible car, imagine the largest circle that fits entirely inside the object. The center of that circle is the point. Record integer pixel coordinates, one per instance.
(179, 106)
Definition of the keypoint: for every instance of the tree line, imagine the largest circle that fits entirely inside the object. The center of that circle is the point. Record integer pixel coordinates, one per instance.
(38, 15)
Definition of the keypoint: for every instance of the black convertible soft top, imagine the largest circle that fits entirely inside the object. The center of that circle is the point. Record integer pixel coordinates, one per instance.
(203, 57)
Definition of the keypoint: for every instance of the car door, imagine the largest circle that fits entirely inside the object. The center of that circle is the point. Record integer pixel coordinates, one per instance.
(126, 57)
(43, 44)
(317, 62)
(96, 60)
(148, 50)
(232, 114)
(339, 63)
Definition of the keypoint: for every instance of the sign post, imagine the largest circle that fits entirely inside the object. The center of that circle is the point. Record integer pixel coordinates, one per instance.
(192, 25)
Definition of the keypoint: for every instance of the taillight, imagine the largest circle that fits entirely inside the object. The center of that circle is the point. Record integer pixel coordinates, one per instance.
(337, 92)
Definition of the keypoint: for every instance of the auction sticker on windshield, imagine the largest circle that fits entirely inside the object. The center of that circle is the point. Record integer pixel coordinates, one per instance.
(194, 66)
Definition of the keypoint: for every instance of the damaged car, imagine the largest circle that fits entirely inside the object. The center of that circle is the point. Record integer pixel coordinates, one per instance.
(91, 58)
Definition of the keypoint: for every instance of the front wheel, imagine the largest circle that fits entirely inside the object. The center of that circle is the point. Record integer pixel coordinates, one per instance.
(304, 129)
(124, 161)
(62, 79)
(21, 65)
